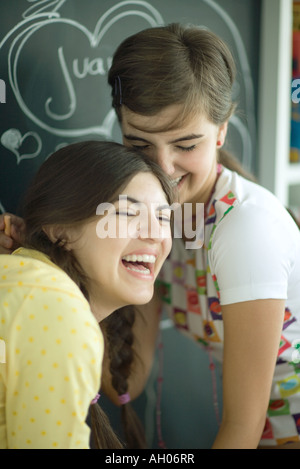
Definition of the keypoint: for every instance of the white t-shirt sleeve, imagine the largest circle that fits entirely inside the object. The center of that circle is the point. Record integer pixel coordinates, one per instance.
(253, 252)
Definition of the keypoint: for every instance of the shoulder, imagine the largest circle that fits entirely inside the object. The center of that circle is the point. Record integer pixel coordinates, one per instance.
(243, 207)
(252, 229)
(36, 272)
(238, 191)
(41, 295)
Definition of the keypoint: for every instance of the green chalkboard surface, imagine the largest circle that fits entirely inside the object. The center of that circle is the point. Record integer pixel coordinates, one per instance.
(54, 58)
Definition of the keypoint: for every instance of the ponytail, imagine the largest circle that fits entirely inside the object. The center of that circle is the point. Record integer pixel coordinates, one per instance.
(102, 433)
(118, 329)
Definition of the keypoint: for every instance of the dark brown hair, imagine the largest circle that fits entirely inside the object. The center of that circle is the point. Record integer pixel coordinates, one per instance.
(66, 191)
(176, 64)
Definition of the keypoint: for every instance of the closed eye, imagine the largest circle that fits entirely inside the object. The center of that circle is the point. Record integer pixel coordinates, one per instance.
(126, 213)
(141, 147)
(191, 148)
(164, 219)
(164, 215)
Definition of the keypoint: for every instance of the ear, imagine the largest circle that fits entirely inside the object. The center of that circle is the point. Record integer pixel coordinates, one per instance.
(222, 132)
(57, 233)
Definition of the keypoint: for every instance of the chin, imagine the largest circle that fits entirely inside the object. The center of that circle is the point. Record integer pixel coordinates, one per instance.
(141, 299)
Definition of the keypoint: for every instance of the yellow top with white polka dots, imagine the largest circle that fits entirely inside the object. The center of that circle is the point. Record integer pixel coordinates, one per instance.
(51, 355)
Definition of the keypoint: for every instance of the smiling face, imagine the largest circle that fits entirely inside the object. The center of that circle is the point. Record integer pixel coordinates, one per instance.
(122, 269)
(188, 154)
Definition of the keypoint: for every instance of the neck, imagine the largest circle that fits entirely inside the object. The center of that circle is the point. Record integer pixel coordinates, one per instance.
(99, 311)
(209, 187)
(98, 304)
(204, 197)
(101, 304)
(206, 192)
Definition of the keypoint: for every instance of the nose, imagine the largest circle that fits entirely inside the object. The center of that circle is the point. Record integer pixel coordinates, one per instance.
(166, 161)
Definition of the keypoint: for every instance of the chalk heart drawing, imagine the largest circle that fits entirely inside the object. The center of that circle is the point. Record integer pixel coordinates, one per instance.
(108, 20)
(12, 139)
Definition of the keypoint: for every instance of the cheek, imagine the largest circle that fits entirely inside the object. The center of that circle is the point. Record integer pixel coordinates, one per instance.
(202, 164)
(204, 156)
(100, 256)
(167, 246)
(102, 265)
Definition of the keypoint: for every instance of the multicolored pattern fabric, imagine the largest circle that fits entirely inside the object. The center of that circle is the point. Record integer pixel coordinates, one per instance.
(192, 297)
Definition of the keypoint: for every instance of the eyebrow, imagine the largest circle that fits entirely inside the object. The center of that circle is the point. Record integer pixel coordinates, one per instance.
(125, 198)
(180, 139)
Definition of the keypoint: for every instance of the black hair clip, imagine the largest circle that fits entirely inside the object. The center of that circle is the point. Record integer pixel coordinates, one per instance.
(118, 89)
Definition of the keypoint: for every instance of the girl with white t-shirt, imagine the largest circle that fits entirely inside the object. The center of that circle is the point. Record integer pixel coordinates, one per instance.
(238, 295)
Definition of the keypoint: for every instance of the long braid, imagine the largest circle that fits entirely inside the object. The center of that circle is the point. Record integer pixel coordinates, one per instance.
(120, 339)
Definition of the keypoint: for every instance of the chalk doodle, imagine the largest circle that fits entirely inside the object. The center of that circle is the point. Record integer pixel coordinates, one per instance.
(2, 209)
(54, 60)
(247, 134)
(12, 139)
(2, 92)
(36, 19)
(58, 118)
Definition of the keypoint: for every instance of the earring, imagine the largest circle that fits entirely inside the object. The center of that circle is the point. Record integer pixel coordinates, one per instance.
(219, 143)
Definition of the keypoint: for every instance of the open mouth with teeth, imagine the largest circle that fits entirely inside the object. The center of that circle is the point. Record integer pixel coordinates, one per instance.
(177, 181)
(140, 263)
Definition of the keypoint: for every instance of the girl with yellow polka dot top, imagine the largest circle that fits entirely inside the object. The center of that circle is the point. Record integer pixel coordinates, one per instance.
(70, 275)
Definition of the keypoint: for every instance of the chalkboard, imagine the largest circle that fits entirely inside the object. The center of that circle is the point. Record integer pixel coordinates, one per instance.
(54, 59)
